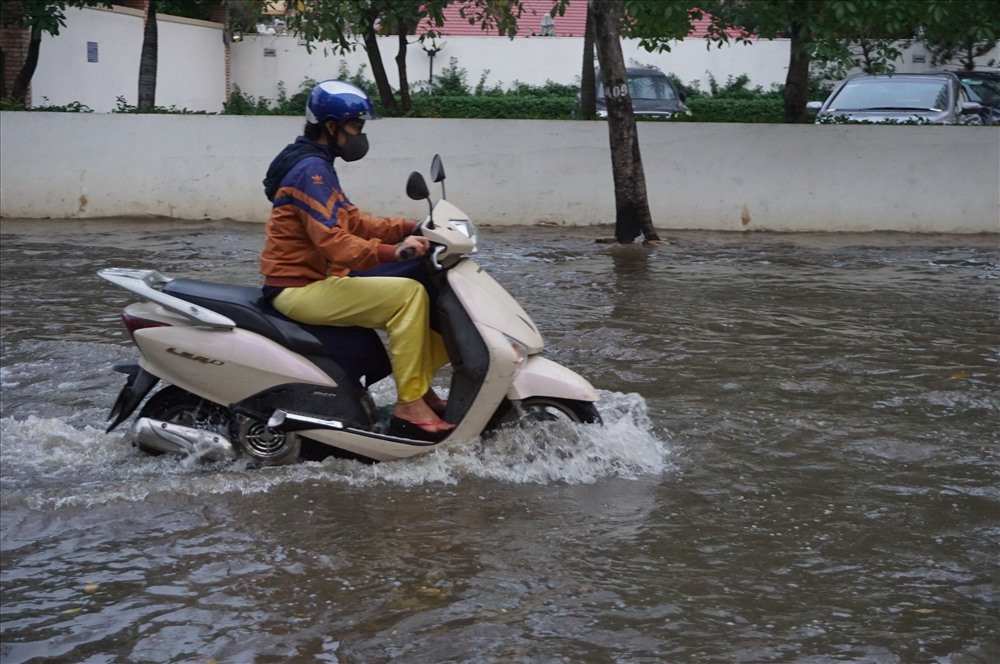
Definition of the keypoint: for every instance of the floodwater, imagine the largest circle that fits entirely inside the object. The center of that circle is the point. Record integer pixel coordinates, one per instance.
(799, 463)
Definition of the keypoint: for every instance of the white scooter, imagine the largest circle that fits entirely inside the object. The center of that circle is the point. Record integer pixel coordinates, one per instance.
(243, 379)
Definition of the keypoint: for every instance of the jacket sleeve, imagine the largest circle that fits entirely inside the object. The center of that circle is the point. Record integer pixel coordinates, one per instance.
(388, 229)
(335, 226)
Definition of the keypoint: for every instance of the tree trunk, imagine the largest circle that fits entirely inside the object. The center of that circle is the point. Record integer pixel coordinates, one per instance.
(147, 62)
(378, 68)
(404, 82)
(588, 83)
(632, 216)
(797, 80)
(23, 80)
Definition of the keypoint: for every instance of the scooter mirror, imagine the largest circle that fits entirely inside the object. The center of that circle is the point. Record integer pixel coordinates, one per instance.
(437, 169)
(416, 187)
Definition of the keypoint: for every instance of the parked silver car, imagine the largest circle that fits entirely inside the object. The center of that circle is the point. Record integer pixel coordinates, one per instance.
(923, 98)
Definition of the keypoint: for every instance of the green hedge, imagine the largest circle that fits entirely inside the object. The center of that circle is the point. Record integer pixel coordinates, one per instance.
(492, 107)
(487, 106)
(714, 109)
(525, 104)
(703, 109)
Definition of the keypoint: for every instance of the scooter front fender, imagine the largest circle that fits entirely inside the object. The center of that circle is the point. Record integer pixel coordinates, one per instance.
(542, 377)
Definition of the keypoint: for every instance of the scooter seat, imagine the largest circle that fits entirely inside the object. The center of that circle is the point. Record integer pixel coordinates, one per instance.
(358, 351)
(242, 305)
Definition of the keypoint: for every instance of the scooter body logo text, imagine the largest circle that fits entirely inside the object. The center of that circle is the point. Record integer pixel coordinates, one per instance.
(196, 358)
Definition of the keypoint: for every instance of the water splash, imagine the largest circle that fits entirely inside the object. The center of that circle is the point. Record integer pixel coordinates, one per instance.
(50, 463)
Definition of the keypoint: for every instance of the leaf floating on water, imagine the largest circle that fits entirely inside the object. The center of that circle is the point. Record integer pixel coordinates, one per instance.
(91, 587)
(959, 375)
(924, 611)
(72, 612)
(430, 592)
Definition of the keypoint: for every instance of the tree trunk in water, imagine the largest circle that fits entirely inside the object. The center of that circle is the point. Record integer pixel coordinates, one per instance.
(378, 69)
(588, 82)
(797, 80)
(147, 62)
(404, 81)
(632, 216)
(23, 80)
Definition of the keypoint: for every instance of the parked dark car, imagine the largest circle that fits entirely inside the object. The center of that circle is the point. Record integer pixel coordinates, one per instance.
(938, 98)
(652, 92)
(984, 87)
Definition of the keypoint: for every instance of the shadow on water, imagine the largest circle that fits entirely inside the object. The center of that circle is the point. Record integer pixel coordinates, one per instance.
(799, 463)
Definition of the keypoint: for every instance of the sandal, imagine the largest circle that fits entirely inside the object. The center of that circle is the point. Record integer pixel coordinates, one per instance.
(416, 430)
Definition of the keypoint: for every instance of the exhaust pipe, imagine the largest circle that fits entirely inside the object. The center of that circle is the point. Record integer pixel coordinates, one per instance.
(178, 439)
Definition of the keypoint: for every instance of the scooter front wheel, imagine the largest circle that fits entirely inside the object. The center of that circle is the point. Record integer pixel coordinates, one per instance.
(553, 409)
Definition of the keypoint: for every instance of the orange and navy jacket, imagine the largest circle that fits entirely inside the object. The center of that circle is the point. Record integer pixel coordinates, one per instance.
(314, 231)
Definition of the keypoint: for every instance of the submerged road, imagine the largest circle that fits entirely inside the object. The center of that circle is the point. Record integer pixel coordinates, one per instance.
(799, 462)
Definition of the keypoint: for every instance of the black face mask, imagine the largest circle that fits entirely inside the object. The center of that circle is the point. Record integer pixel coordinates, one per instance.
(355, 147)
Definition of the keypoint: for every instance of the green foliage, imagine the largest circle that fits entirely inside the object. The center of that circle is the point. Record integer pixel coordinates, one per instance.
(42, 16)
(722, 109)
(358, 78)
(123, 106)
(735, 87)
(71, 107)
(960, 31)
(729, 102)
(198, 9)
(689, 90)
(548, 89)
(11, 104)
(240, 103)
(656, 23)
(451, 80)
(492, 107)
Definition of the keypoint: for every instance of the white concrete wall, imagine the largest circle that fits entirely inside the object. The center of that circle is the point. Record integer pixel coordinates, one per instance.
(699, 176)
(191, 62)
(533, 60)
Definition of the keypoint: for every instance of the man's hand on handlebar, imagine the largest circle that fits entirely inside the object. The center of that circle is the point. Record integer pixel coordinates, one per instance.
(413, 245)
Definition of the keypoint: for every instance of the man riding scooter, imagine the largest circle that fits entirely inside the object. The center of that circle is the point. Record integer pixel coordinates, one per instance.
(315, 238)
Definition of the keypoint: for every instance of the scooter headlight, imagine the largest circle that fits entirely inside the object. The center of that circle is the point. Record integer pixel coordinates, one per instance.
(466, 228)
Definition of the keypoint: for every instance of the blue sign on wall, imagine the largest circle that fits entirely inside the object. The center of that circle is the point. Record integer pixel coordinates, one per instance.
(91, 51)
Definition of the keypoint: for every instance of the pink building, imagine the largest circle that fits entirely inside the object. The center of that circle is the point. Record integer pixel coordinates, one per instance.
(571, 24)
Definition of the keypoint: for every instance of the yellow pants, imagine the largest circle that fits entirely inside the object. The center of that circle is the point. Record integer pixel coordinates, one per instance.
(394, 304)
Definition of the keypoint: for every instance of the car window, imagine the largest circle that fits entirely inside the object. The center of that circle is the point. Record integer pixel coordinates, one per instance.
(891, 94)
(645, 87)
(651, 87)
(987, 91)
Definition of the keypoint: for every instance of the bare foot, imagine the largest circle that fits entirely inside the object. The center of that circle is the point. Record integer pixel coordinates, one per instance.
(420, 414)
(436, 403)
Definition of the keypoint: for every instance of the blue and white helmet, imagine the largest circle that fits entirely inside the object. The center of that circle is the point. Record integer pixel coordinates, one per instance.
(340, 101)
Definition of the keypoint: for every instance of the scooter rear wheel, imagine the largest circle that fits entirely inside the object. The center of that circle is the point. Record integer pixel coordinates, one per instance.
(269, 446)
(172, 404)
